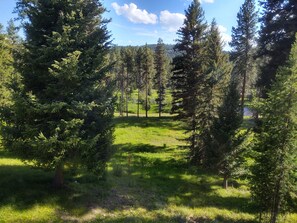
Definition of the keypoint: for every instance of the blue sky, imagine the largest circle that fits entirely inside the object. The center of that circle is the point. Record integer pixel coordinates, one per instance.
(136, 22)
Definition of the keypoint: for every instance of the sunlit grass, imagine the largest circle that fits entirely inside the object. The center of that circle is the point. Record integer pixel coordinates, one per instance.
(148, 179)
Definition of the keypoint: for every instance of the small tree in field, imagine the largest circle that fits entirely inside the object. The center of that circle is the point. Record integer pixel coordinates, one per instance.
(139, 73)
(63, 110)
(274, 173)
(226, 135)
(148, 72)
(161, 66)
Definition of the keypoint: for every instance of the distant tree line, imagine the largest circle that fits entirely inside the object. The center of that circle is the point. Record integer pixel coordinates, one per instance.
(141, 69)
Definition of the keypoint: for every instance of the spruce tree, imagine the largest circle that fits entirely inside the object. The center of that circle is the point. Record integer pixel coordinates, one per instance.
(161, 67)
(122, 82)
(139, 58)
(274, 172)
(243, 38)
(63, 110)
(277, 34)
(226, 143)
(188, 81)
(128, 61)
(216, 78)
(148, 72)
(12, 32)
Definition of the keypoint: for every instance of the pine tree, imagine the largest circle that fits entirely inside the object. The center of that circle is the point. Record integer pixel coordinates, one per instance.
(161, 67)
(227, 155)
(12, 32)
(217, 76)
(121, 78)
(243, 38)
(63, 110)
(139, 58)
(128, 60)
(148, 72)
(277, 34)
(274, 172)
(188, 73)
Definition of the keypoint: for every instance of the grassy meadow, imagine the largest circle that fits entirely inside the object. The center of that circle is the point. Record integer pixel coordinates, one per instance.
(147, 180)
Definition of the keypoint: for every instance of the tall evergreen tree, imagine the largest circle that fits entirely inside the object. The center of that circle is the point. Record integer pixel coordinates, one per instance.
(243, 38)
(63, 111)
(227, 155)
(12, 32)
(148, 72)
(279, 25)
(128, 61)
(274, 172)
(188, 80)
(121, 78)
(217, 76)
(161, 67)
(139, 58)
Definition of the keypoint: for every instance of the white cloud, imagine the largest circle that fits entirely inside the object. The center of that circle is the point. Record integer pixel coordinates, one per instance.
(222, 29)
(134, 14)
(225, 36)
(171, 21)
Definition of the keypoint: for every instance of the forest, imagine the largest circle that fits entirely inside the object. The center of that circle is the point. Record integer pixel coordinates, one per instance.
(91, 131)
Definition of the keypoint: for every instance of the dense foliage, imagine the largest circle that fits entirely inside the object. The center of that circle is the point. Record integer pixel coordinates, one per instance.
(277, 34)
(200, 76)
(274, 173)
(63, 108)
(6, 67)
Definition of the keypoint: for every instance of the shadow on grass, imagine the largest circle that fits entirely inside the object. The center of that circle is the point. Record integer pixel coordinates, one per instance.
(164, 219)
(151, 183)
(6, 154)
(23, 187)
(173, 181)
(143, 122)
(139, 148)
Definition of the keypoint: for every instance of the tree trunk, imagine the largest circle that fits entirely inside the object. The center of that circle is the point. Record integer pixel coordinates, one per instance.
(146, 104)
(160, 93)
(122, 96)
(276, 207)
(277, 198)
(243, 89)
(138, 102)
(225, 182)
(127, 104)
(58, 181)
(146, 98)
(127, 94)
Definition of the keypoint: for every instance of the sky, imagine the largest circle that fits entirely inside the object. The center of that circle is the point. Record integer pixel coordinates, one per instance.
(137, 22)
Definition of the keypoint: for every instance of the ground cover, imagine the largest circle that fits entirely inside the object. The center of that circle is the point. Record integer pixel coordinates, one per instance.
(148, 179)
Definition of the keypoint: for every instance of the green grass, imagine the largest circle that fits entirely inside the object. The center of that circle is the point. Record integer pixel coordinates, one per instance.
(148, 179)
(132, 103)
